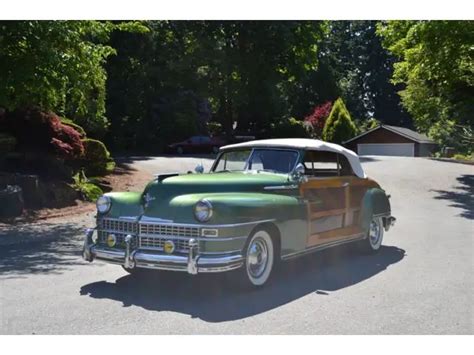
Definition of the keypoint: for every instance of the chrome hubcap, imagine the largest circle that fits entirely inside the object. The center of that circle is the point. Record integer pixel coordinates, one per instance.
(374, 233)
(257, 257)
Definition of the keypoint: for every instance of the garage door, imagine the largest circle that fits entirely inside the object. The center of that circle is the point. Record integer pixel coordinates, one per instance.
(395, 149)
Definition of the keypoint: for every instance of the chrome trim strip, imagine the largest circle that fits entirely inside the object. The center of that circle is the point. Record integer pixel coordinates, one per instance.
(125, 218)
(221, 268)
(113, 231)
(230, 225)
(281, 187)
(220, 239)
(219, 261)
(120, 219)
(157, 220)
(385, 214)
(353, 238)
(164, 236)
(220, 252)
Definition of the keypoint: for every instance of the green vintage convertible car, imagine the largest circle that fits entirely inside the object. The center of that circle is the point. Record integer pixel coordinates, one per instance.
(262, 202)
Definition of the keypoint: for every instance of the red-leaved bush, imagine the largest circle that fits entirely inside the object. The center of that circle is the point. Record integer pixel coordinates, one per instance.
(40, 131)
(317, 119)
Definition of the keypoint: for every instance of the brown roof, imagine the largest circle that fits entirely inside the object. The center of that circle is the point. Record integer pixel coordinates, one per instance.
(405, 132)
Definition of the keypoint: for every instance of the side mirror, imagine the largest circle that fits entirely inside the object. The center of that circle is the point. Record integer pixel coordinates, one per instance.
(298, 173)
(199, 169)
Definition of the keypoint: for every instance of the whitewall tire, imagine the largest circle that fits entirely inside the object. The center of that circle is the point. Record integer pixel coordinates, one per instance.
(373, 241)
(259, 258)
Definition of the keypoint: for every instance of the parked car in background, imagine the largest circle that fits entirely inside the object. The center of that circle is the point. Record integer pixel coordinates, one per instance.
(198, 144)
(263, 202)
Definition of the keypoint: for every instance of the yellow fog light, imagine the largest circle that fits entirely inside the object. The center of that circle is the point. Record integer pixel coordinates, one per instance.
(111, 240)
(168, 247)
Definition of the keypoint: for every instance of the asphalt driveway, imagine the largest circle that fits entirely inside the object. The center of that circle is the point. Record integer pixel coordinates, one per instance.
(421, 282)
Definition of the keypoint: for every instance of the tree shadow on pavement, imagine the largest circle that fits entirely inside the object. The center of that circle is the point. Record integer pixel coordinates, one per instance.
(462, 196)
(218, 298)
(39, 249)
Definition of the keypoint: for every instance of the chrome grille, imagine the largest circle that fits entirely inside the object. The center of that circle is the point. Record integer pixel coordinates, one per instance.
(170, 230)
(181, 245)
(154, 236)
(117, 226)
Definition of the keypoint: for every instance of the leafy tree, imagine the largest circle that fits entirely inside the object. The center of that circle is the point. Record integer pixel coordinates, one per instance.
(362, 69)
(58, 66)
(435, 67)
(289, 128)
(242, 72)
(339, 126)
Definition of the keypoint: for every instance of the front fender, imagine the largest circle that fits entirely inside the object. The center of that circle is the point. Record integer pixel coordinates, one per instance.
(124, 204)
(374, 203)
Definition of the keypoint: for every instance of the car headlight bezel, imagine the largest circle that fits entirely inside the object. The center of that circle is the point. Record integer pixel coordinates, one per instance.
(203, 210)
(103, 204)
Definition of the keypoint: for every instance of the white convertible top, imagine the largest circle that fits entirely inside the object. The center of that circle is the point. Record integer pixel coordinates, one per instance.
(305, 143)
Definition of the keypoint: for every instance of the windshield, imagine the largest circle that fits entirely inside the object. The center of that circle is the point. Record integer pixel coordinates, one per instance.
(273, 160)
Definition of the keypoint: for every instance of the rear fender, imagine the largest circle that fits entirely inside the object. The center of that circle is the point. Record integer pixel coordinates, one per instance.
(374, 203)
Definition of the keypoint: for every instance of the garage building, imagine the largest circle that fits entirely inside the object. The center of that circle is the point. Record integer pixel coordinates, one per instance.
(391, 140)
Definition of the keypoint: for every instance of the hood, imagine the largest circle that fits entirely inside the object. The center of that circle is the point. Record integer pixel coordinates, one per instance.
(163, 194)
(215, 182)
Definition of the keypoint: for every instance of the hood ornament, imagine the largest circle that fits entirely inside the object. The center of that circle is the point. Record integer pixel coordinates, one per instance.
(147, 198)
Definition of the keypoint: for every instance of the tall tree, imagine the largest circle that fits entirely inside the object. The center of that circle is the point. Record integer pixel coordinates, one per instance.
(363, 69)
(339, 126)
(436, 68)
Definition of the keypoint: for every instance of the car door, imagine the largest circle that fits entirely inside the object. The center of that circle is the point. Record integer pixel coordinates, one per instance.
(327, 194)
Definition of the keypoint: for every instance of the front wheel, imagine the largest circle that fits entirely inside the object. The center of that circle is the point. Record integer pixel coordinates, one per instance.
(259, 259)
(372, 243)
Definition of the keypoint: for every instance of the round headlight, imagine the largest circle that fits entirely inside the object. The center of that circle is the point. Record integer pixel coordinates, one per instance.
(203, 211)
(103, 204)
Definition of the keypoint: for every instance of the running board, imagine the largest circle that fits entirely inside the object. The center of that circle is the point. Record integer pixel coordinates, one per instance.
(352, 238)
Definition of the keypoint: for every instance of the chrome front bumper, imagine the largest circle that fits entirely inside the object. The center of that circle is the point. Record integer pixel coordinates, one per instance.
(192, 263)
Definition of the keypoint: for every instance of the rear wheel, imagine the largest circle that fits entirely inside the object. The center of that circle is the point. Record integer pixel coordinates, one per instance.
(259, 255)
(372, 243)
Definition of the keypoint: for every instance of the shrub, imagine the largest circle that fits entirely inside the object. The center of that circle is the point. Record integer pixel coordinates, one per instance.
(97, 160)
(289, 128)
(463, 157)
(339, 126)
(449, 134)
(317, 119)
(42, 132)
(70, 123)
(68, 144)
(86, 188)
